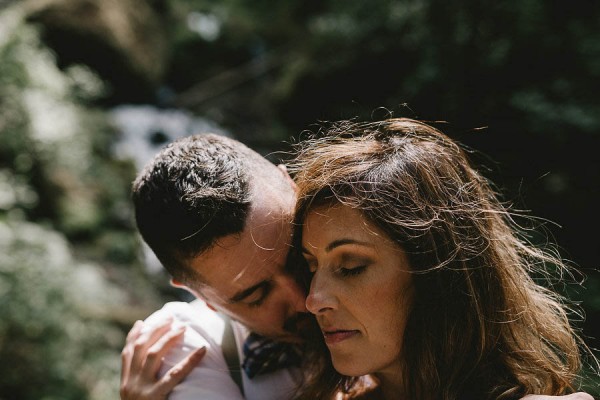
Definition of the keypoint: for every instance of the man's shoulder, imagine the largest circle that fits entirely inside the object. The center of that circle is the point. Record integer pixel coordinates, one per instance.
(204, 328)
(183, 311)
(195, 315)
(183, 308)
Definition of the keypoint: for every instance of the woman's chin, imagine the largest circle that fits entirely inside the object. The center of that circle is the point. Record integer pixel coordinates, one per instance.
(349, 368)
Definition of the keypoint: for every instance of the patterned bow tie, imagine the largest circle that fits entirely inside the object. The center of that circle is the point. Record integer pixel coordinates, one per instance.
(263, 355)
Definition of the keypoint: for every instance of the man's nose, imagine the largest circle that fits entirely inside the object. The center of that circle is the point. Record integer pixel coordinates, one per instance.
(295, 294)
(320, 297)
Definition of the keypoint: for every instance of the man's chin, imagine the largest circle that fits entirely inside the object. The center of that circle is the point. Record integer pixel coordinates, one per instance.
(302, 327)
(285, 337)
(309, 330)
(297, 330)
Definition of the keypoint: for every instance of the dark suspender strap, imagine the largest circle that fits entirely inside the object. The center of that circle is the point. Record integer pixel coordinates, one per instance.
(230, 353)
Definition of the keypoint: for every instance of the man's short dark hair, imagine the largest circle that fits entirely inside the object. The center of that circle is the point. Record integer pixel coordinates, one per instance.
(195, 191)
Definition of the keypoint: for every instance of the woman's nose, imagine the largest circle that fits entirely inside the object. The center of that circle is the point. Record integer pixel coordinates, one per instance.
(320, 297)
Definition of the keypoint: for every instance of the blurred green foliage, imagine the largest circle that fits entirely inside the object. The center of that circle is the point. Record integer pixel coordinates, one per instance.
(51, 345)
(54, 143)
(65, 229)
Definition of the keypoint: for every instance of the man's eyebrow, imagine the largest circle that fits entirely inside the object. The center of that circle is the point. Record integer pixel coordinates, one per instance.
(241, 295)
(340, 242)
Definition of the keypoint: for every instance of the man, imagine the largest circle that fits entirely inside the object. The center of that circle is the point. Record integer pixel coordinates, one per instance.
(218, 216)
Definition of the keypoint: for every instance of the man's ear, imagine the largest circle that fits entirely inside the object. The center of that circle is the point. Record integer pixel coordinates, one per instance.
(181, 285)
(287, 176)
(178, 284)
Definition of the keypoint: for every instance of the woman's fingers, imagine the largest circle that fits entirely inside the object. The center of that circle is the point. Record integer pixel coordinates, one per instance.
(157, 351)
(127, 352)
(135, 331)
(176, 374)
(142, 357)
(145, 340)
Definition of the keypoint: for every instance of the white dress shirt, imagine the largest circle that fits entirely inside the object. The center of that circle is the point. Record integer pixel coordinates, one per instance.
(211, 380)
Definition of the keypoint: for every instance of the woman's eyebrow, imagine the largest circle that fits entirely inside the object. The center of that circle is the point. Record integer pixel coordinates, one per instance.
(340, 242)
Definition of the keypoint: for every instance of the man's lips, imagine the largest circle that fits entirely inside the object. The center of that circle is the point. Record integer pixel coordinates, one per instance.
(335, 336)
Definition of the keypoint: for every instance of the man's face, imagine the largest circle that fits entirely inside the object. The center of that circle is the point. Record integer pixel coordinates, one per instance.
(245, 276)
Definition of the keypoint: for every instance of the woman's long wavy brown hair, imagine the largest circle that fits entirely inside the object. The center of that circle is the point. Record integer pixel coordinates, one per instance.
(480, 326)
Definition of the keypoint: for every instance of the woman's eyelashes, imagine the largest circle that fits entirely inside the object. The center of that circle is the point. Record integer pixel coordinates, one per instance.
(342, 270)
(352, 271)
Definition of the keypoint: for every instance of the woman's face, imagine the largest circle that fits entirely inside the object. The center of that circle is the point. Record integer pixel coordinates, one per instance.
(360, 290)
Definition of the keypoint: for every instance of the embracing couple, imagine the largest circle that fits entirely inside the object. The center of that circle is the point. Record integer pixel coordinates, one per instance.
(386, 269)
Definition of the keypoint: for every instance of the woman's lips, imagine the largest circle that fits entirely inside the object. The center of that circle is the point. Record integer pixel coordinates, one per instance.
(337, 336)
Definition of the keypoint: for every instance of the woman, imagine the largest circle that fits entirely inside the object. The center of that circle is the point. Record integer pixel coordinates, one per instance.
(419, 278)
(419, 281)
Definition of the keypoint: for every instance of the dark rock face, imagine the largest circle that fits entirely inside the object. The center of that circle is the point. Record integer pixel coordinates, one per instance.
(125, 41)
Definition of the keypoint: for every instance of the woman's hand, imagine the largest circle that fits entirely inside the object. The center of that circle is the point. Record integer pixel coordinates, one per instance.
(141, 360)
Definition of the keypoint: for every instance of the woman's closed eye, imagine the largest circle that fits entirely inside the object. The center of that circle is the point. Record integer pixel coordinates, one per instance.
(352, 271)
(347, 265)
